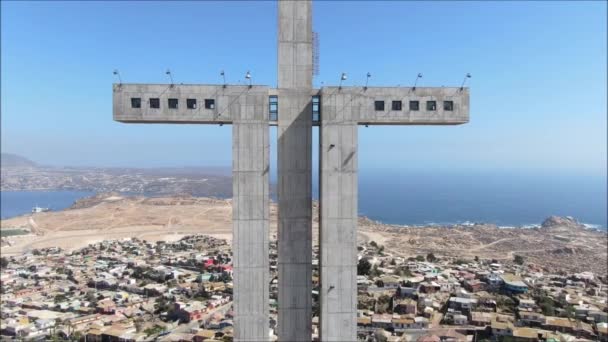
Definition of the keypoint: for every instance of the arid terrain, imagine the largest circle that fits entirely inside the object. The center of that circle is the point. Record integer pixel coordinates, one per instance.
(560, 244)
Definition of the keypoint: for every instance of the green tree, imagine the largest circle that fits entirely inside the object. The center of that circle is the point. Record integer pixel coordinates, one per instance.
(404, 271)
(518, 259)
(420, 258)
(476, 258)
(4, 262)
(570, 312)
(60, 298)
(375, 272)
(431, 257)
(547, 305)
(363, 267)
(91, 297)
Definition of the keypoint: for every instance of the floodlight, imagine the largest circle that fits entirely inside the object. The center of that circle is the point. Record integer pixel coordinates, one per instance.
(468, 75)
(416, 81)
(168, 73)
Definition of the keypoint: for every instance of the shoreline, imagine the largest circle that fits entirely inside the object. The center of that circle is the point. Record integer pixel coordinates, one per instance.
(561, 243)
(459, 223)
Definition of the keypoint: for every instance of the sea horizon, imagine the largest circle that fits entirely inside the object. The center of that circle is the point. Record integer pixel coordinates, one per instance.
(416, 198)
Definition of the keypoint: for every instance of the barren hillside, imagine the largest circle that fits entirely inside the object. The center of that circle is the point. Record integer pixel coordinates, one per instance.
(559, 244)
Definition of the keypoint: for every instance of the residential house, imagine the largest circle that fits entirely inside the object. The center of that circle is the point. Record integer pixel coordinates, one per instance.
(383, 321)
(405, 306)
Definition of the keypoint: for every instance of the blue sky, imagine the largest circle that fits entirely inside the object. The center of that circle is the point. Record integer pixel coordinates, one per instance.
(538, 91)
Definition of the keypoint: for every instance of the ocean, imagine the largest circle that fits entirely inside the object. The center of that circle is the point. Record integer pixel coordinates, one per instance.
(507, 199)
(430, 197)
(15, 203)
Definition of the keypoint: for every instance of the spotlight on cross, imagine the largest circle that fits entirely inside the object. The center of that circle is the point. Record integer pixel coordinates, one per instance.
(416, 81)
(223, 77)
(248, 76)
(168, 73)
(367, 79)
(118, 75)
(464, 81)
(342, 78)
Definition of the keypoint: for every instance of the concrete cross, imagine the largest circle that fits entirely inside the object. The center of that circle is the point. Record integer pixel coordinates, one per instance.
(340, 111)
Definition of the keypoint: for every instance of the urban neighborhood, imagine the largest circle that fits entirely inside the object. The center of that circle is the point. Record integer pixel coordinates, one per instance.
(135, 290)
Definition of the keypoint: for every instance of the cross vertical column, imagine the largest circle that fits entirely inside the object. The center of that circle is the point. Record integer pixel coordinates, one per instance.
(294, 170)
(338, 218)
(250, 215)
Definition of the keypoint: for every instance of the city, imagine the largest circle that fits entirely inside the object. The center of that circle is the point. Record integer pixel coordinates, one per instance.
(134, 290)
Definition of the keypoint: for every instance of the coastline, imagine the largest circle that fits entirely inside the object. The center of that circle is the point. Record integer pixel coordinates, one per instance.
(456, 223)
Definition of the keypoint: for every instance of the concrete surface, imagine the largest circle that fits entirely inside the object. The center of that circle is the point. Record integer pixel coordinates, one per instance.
(250, 216)
(342, 109)
(295, 171)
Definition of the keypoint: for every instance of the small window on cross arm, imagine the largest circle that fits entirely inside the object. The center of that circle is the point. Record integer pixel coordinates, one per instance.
(155, 102)
(448, 106)
(191, 103)
(414, 105)
(172, 103)
(396, 105)
(209, 104)
(379, 105)
(135, 102)
(431, 105)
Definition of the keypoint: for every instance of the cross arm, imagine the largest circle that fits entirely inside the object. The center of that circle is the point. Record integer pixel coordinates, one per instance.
(173, 103)
(396, 105)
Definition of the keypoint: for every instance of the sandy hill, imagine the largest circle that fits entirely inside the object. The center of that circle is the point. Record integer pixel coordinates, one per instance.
(560, 244)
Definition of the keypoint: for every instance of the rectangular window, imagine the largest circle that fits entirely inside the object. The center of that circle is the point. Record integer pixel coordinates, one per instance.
(379, 105)
(273, 108)
(172, 103)
(431, 105)
(414, 105)
(316, 108)
(135, 102)
(209, 104)
(396, 105)
(448, 105)
(155, 102)
(191, 103)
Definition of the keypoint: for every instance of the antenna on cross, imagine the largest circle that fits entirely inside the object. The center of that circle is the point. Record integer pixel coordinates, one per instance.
(367, 79)
(223, 77)
(464, 81)
(119, 79)
(248, 76)
(342, 78)
(168, 72)
(416, 81)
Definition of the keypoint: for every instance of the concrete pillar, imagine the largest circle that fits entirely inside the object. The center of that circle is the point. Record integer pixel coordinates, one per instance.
(294, 170)
(338, 219)
(250, 215)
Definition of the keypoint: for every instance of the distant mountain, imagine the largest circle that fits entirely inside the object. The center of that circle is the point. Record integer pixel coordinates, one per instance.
(14, 160)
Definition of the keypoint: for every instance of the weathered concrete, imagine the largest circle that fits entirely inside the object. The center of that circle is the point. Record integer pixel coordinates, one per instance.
(247, 109)
(357, 104)
(227, 102)
(250, 215)
(294, 170)
(342, 109)
(338, 230)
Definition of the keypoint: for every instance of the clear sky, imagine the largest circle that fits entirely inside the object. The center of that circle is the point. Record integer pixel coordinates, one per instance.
(538, 91)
